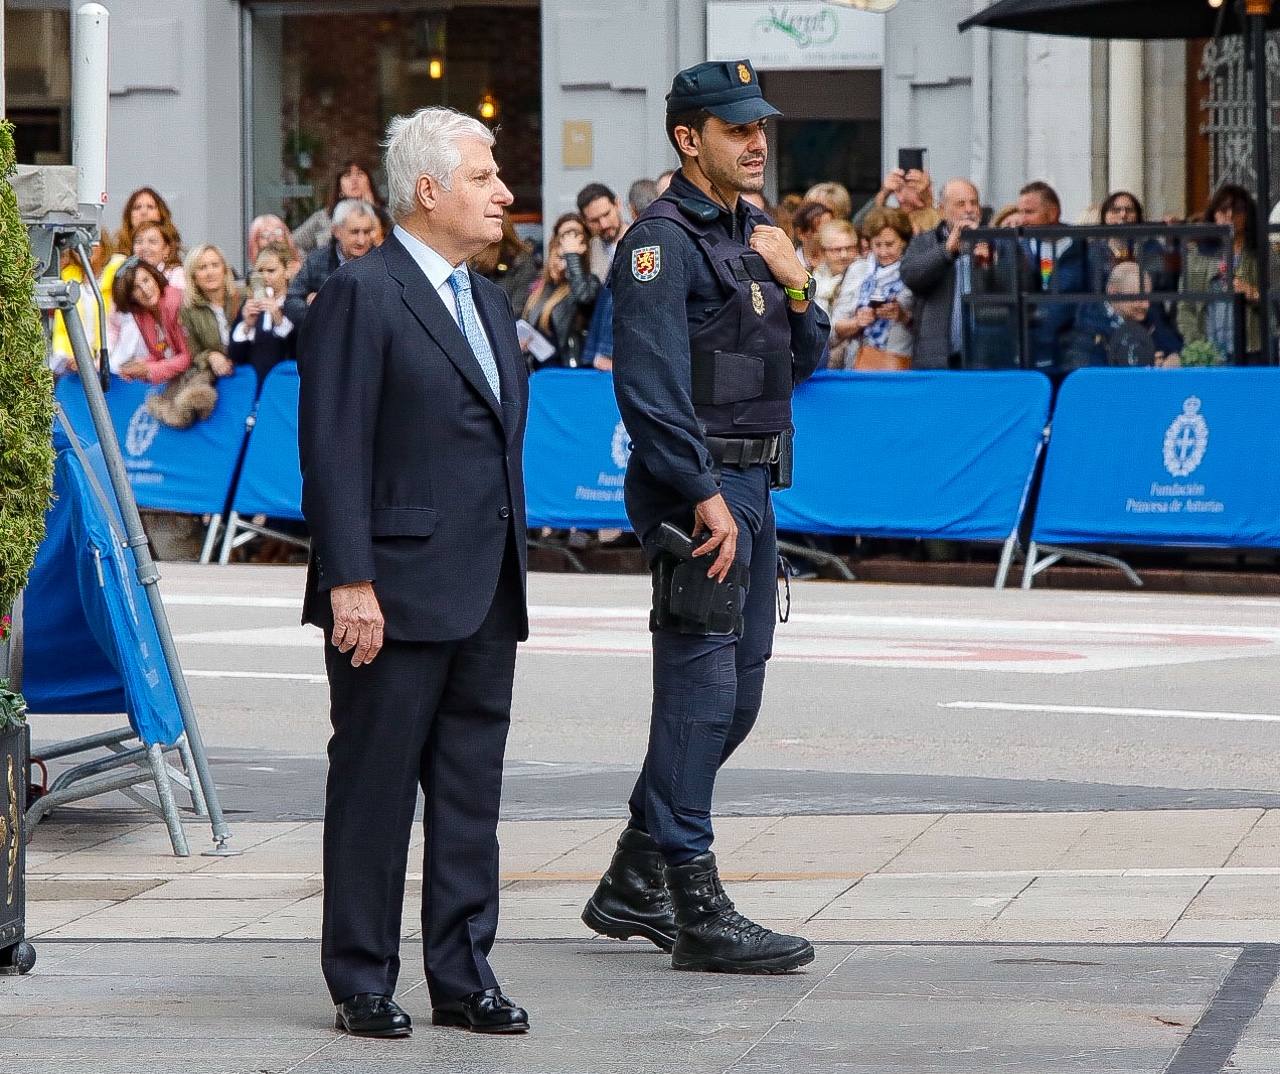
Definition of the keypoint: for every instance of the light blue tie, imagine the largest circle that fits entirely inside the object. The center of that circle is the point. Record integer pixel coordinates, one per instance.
(460, 281)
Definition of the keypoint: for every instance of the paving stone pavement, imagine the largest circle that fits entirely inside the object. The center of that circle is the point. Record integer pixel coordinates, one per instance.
(255, 1007)
(1135, 943)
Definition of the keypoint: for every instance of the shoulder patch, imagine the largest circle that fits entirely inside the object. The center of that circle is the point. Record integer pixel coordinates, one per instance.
(646, 262)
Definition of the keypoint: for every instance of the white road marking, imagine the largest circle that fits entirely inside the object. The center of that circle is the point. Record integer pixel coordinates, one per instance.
(229, 600)
(288, 676)
(1028, 646)
(1101, 710)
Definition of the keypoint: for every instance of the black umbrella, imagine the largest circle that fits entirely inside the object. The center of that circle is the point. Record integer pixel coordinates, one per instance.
(1152, 19)
(1149, 19)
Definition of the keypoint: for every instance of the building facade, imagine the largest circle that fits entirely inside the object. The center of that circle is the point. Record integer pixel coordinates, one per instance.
(237, 107)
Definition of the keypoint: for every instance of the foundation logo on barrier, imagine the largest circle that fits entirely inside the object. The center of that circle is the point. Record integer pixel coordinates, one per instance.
(1186, 440)
(141, 432)
(620, 448)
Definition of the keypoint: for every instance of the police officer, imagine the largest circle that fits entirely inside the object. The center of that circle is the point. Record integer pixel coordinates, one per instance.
(714, 324)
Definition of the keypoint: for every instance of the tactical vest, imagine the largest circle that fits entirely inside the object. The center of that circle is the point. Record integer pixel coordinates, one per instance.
(741, 369)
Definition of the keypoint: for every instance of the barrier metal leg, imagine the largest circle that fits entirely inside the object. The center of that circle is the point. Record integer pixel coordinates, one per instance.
(210, 539)
(192, 782)
(147, 574)
(819, 558)
(229, 538)
(559, 550)
(160, 773)
(1055, 554)
(1030, 570)
(1006, 560)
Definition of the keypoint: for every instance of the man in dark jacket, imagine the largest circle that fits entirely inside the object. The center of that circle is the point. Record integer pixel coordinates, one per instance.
(411, 424)
(930, 269)
(355, 225)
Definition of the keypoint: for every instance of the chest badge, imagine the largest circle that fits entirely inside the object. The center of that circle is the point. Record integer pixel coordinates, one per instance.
(646, 263)
(757, 299)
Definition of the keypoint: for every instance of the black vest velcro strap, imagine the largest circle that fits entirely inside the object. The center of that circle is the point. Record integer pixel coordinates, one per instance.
(724, 377)
(752, 267)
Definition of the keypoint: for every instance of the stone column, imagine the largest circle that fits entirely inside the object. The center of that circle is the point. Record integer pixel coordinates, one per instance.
(1126, 141)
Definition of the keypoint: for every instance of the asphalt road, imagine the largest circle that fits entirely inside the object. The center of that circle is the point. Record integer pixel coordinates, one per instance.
(879, 698)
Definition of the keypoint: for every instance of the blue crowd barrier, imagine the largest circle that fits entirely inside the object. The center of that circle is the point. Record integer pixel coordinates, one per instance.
(575, 452)
(924, 454)
(890, 454)
(1163, 458)
(90, 642)
(184, 470)
(271, 478)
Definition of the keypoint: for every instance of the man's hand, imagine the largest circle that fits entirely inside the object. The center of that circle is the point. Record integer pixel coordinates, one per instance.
(603, 362)
(891, 186)
(357, 621)
(955, 236)
(779, 254)
(713, 517)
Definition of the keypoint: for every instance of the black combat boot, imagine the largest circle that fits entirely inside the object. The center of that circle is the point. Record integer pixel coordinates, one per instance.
(714, 937)
(631, 898)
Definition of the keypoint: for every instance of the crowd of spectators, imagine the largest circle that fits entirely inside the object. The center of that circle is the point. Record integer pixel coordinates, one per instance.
(892, 275)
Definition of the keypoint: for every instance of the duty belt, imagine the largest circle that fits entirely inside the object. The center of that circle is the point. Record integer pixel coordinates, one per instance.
(743, 452)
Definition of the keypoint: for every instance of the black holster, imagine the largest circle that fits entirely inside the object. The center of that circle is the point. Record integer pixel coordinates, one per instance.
(685, 600)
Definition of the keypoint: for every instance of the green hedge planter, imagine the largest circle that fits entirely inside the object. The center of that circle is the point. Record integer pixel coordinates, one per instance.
(26, 396)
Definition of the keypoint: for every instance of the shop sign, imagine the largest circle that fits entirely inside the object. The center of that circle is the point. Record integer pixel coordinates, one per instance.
(805, 34)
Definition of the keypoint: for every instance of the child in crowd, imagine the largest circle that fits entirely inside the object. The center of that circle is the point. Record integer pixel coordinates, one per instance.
(262, 335)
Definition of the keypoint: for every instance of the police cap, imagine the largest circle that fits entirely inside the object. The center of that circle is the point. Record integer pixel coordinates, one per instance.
(728, 90)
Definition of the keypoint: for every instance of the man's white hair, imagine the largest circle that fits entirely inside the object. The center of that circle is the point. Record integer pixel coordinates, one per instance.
(426, 143)
(349, 207)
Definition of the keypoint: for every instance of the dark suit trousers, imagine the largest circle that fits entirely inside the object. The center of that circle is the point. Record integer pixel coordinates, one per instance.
(432, 715)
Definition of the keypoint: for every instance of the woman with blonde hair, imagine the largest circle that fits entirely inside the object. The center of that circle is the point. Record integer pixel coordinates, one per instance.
(835, 196)
(209, 308)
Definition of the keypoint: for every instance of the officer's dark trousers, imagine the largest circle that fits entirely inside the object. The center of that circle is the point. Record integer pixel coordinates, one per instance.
(432, 715)
(707, 689)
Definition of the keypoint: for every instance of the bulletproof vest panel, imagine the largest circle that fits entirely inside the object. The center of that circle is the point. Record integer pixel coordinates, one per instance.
(741, 378)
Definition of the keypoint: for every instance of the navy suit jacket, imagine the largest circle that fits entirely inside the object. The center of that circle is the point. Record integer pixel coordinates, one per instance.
(412, 472)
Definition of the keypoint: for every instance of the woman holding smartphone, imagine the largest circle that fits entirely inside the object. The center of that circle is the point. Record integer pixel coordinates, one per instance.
(881, 321)
(263, 336)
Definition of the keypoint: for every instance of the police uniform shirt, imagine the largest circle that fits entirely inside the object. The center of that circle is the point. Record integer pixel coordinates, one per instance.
(651, 355)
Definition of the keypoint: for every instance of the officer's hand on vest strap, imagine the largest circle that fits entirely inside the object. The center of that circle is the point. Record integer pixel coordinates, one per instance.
(357, 621)
(713, 517)
(779, 254)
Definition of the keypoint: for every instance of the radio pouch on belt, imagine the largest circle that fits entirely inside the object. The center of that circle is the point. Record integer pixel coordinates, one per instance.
(783, 465)
(685, 600)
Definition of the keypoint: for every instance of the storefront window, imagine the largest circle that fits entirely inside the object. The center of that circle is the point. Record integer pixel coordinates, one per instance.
(37, 68)
(325, 84)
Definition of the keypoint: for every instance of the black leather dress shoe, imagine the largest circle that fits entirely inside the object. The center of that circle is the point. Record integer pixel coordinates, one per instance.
(371, 1015)
(482, 1012)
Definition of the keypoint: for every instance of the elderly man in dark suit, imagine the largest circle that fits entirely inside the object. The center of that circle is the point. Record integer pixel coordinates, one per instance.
(412, 414)
(355, 226)
(931, 268)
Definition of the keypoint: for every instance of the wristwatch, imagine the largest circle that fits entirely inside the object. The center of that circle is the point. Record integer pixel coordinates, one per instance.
(804, 294)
